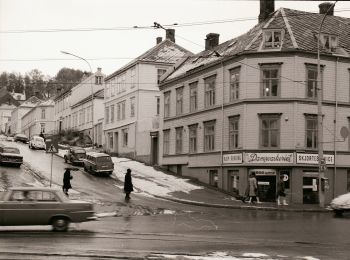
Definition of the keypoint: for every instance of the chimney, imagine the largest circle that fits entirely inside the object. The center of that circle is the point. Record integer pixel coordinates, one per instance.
(159, 40)
(266, 8)
(211, 41)
(326, 6)
(170, 34)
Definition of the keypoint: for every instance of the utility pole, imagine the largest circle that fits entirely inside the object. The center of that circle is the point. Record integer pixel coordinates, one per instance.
(321, 161)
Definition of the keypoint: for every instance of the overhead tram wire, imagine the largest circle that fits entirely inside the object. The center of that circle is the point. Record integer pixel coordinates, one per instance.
(55, 30)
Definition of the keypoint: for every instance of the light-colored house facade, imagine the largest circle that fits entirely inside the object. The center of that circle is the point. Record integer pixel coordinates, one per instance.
(19, 112)
(86, 112)
(63, 112)
(249, 105)
(132, 102)
(39, 119)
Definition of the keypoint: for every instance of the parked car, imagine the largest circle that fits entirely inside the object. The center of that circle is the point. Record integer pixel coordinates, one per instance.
(100, 163)
(9, 138)
(75, 155)
(10, 155)
(21, 138)
(37, 142)
(42, 206)
(341, 204)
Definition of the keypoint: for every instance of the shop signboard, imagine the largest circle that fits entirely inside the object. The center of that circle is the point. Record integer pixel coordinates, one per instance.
(232, 158)
(312, 158)
(261, 172)
(269, 158)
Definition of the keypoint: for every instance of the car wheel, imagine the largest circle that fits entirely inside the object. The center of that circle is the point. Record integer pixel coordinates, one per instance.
(60, 224)
(338, 212)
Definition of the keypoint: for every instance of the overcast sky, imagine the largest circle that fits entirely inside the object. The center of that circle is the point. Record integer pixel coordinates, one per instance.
(102, 30)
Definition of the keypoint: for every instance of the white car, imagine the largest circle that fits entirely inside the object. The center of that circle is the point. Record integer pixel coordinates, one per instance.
(341, 204)
(37, 142)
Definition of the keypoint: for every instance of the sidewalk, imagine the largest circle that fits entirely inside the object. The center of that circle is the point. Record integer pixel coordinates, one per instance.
(165, 185)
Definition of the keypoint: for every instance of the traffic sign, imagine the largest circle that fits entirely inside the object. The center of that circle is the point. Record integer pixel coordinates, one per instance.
(52, 149)
(51, 144)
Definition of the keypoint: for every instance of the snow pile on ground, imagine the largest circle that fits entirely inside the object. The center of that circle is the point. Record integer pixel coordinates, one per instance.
(149, 180)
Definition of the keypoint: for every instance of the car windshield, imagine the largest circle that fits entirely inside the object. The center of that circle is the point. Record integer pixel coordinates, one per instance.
(103, 159)
(11, 150)
(38, 139)
(80, 151)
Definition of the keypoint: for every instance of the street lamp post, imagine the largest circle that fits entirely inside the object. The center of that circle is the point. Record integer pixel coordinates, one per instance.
(92, 95)
(321, 162)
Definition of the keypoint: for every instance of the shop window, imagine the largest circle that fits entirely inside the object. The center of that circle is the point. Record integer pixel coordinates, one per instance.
(213, 178)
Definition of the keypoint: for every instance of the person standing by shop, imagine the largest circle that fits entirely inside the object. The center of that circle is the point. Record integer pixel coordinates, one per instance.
(253, 188)
(281, 194)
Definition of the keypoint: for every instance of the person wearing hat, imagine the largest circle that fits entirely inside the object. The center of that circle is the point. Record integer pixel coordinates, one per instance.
(128, 187)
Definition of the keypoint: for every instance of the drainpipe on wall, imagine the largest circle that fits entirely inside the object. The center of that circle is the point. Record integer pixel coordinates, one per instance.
(222, 125)
(335, 126)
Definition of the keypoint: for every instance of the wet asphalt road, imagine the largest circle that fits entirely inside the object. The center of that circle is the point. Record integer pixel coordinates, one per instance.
(148, 226)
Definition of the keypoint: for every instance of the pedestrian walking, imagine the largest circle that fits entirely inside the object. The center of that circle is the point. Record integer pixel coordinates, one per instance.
(281, 194)
(66, 181)
(128, 186)
(253, 188)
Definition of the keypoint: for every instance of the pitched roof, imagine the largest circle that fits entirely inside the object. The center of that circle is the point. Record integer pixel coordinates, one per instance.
(300, 29)
(31, 102)
(165, 52)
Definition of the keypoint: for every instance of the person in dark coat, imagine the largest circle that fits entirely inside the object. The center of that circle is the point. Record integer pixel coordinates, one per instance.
(128, 187)
(66, 181)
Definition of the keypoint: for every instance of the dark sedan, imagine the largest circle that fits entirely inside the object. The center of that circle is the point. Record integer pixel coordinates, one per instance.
(75, 155)
(10, 155)
(42, 206)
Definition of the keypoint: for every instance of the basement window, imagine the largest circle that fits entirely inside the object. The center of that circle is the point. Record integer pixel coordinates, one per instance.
(273, 38)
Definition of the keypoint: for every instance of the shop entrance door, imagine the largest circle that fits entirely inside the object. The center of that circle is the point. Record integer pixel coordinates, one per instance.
(266, 179)
(233, 182)
(310, 190)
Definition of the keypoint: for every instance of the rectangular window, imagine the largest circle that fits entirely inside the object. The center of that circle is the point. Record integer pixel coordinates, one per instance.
(88, 114)
(132, 77)
(42, 128)
(270, 131)
(233, 132)
(311, 73)
(193, 96)
(110, 138)
(179, 100)
(329, 42)
(179, 131)
(43, 113)
(107, 115)
(167, 104)
(112, 113)
(160, 73)
(118, 111)
(234, 84)
(311, 131)
(125, 137)
(98, 80)
(166, 141)
(209, 86)
(158, 105)
(193, 138)
(132, 107)
(209, 136)
(270, 80)
(123, 110)
(273, 39)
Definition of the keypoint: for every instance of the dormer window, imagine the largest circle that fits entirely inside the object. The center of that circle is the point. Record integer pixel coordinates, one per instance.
(329, 42)
(273, 38)
(98, 80)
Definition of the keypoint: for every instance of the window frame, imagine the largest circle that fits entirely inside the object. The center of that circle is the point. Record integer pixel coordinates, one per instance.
(193, 88)
(273, 31)
(269, 117)
(179, 100)
(167, 96)
(193, 138)
(209, 137)
(179, 140)
(209, 91)
(166, 141)
(313, 131)
(234, 132)
(268, 81)
(235, 84)
(313, 68)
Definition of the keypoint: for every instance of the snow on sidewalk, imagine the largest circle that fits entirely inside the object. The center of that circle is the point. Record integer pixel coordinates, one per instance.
(146, 179)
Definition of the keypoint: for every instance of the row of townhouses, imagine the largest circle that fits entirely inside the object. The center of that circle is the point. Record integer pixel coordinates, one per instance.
(247, 105)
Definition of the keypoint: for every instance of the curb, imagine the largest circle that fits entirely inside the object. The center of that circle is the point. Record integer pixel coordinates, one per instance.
(263, 208)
